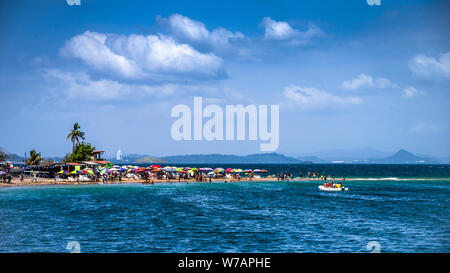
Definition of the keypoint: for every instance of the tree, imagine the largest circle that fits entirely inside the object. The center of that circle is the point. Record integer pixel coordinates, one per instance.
(34, 158)
(75, 135)
(81, 152)
(3, 155)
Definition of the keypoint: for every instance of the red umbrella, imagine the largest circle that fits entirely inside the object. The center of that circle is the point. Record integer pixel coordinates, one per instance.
(155, 166)
(229, 170)
(140, 170)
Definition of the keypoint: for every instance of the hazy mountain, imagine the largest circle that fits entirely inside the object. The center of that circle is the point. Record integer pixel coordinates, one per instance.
(349, 155)
(403, 156)
(135, 158)
(313, 159)
(266, 158)
(15, 158)
(150, 159)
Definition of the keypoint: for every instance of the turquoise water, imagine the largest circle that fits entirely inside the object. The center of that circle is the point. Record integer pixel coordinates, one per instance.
(401, 215)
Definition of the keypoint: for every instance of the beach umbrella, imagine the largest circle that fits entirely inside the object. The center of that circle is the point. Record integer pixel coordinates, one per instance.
(211, 174)
(63, 172)
(194, 169)
(179, 169)
(105, 170)
(3, 173)
(88, 171)
(75, 172)
(248, 171)
(141, 170)
(155, 166)
(205, 169)
(229, 170)
(218, 170)
(257, 171)
(186, 168)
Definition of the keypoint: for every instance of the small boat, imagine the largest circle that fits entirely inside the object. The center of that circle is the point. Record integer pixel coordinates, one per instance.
(323, 188)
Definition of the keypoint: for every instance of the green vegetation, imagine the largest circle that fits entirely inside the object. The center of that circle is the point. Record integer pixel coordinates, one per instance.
(34, 158)
(3, 155)
(81, 152)
(75, 135)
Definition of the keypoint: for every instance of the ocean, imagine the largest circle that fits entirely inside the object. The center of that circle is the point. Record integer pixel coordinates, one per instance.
(390, 208)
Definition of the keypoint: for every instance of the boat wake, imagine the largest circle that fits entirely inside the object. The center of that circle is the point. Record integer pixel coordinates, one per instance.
(396, 179)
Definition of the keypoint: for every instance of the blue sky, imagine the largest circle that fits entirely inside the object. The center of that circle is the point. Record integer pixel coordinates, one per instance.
(345, 74)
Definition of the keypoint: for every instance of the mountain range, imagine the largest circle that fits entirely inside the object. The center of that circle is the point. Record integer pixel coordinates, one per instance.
(350, 156)
(400, 157)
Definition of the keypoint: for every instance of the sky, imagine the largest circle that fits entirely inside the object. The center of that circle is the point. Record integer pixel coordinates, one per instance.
(345, 74)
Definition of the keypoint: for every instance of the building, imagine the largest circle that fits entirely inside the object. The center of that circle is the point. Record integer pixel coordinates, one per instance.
(119, 155)
(97, 156)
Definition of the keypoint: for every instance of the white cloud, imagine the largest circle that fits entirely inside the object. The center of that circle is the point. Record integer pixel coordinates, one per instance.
(80, 86)
(310, 98)
(279, 30)
(140, 57)
(431, 68)
(195, 31)
(364, 80)
(384, 83)
(361, 81)
(411, 92)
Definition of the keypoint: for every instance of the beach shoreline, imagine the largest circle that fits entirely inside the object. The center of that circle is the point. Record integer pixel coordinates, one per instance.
(15, 182)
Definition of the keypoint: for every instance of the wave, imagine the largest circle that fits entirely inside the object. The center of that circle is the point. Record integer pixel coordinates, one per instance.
(397, 179)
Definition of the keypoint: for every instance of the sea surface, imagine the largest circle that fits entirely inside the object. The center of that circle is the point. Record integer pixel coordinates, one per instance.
(390, 208)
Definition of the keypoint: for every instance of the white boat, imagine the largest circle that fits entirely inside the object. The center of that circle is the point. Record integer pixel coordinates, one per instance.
(323, 188)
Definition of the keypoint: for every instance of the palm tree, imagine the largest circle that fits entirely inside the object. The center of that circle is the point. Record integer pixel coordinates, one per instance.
(34, 158)
(75, 135)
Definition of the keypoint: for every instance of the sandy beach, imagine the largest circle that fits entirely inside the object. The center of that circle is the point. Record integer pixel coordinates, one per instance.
(15, 182)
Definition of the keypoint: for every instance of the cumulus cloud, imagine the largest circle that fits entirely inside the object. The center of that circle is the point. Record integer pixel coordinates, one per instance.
(282, 31)
(141, 57)
(411, 92)
(363, 80)
(187, 29)
(80, 86)
(310, 98)
(432, 68)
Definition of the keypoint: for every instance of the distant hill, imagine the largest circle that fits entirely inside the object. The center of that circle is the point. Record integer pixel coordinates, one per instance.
(136, 158)
(404, 157)
(266, 158)
(14, 157)
(349, 155)
(150, 159)
(312, 159)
